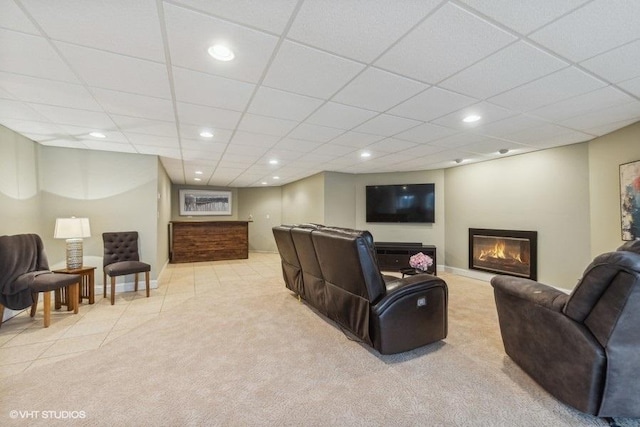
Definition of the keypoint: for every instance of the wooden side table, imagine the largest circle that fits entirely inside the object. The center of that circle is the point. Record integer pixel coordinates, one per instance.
(85, 290)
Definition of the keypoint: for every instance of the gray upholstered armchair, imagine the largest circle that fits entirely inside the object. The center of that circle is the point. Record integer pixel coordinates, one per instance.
(24, 273)
(583, 348)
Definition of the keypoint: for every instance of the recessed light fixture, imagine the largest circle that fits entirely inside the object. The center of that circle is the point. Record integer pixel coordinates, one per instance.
(264, 183)
(276, 177)
(198, 172)
(197, 179)
(273, 162)
(503, 150)
(365, 154)
(98, 135)
(221, 52)
(471, 118)
(206, 134)
(458, 161)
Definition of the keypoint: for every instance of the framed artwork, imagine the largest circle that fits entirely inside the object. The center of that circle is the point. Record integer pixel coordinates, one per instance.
(205, 202)
(630, 200)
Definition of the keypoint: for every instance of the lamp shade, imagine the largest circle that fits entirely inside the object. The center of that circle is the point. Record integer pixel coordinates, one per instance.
(72, 228)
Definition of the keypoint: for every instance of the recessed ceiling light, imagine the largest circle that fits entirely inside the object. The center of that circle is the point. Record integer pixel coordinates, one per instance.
(98, 135)
(198, 172)
(221, 52)
(365, 154)
(471, 118)
(206, 134)
(276, 177)
(458, 161)
(273, 162)
(503, 150)
(264, 183)
(197, 179)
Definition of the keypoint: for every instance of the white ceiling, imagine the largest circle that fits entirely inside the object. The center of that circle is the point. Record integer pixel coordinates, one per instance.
(317, 82)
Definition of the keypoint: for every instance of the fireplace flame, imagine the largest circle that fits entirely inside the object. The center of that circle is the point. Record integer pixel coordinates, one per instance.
(498, 252)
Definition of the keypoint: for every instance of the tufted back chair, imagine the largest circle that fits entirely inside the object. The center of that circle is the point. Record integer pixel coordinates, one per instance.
(121, 257)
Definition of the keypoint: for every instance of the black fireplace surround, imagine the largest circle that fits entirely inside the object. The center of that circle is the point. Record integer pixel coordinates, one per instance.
(511, 252)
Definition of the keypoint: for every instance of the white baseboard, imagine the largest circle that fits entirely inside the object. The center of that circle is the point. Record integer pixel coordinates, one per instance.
(127, 286)
(479, 275)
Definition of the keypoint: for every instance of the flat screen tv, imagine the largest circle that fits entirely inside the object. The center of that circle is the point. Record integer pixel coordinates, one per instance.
(401, 203)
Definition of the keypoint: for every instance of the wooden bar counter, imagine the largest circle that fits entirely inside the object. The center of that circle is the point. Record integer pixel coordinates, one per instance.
(193, 241)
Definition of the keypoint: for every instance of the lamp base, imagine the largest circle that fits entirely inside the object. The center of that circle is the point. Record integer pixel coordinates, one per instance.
(74, 253)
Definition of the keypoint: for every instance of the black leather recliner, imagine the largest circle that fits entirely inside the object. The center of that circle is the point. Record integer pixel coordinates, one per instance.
(583, 348)
(341, 278)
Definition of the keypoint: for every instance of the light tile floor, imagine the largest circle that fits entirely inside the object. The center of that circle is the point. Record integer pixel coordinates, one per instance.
(25, 343)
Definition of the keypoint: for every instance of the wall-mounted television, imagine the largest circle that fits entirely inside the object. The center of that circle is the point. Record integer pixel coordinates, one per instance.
(401, 203)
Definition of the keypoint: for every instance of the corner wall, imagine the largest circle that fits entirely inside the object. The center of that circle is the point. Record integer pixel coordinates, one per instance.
(545, 191)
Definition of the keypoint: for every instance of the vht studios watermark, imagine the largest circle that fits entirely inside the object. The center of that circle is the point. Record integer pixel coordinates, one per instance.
(47, 415)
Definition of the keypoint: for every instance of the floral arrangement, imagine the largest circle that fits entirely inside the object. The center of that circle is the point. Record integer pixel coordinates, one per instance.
(421, 261)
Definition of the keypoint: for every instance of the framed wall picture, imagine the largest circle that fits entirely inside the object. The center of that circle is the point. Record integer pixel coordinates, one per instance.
(630, 200)
(205, 202)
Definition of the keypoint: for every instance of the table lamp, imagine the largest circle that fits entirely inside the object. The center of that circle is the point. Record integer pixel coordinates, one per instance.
(73, 230)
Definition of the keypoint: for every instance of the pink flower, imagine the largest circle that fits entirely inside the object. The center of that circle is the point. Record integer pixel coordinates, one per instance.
(420, 261)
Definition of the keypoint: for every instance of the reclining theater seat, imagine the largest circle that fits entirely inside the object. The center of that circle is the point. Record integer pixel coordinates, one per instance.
(391, 317)
(291, 271)
(314, 286)
(583, 348)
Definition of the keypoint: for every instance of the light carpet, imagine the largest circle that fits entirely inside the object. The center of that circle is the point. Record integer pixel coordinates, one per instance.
(248, 353)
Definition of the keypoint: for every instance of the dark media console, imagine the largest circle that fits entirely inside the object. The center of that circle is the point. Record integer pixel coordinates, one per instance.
(394, 256)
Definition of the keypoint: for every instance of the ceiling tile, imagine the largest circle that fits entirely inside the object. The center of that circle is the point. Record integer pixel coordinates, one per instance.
(191, 34)
(459, 140)
(42, 60)
(128, 104)
(448, 41)
(256, 139)
(512, 66)
(308, 71)
(334, 150)
(134, 33)
(31, 89)
(508, 126)
(618, 64)
(12, 17)
(356, 139)
(69, 116)
(386, 125)
(200, 155)
(157, 141)
(340, 116)
(19, 110)
(603, 116)
(600, 98)
(524, 16)
(431, 104)
(555, 87)
(547, 135)
(145, 126)
(369, 26)
(425, 133)
(315, 133)
(297, 145)
(391, 145)
(207, 116)
(158, 151)
(283, 105)
(595, 28)
(633, 86)
(213, 91)
(488, 112)
(491, 147)
(203, 146)
(378, 90)
(28, 127)
(267, 15)
(109, 146)
(266, 125)
(95, 68)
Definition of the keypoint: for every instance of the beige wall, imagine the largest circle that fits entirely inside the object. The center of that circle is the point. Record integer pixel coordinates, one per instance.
(339, 197)
(303, 201)
(164, 215)
(428, 234)
(545, 191)
(264, 206)
(19, 194)
(606, 154)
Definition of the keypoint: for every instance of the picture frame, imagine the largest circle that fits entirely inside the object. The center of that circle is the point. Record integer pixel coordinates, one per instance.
(205, 202)
(630, 200)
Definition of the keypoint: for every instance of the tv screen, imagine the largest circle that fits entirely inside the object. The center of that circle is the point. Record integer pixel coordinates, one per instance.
(401, 203)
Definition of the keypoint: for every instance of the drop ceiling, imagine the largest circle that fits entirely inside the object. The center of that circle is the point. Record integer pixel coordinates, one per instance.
(314, 84)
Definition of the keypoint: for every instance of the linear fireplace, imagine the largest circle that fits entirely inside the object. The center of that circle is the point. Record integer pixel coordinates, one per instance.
(510, 252)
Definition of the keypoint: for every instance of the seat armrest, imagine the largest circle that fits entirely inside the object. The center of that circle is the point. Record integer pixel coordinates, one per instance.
(408, 285)
(531, 291)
